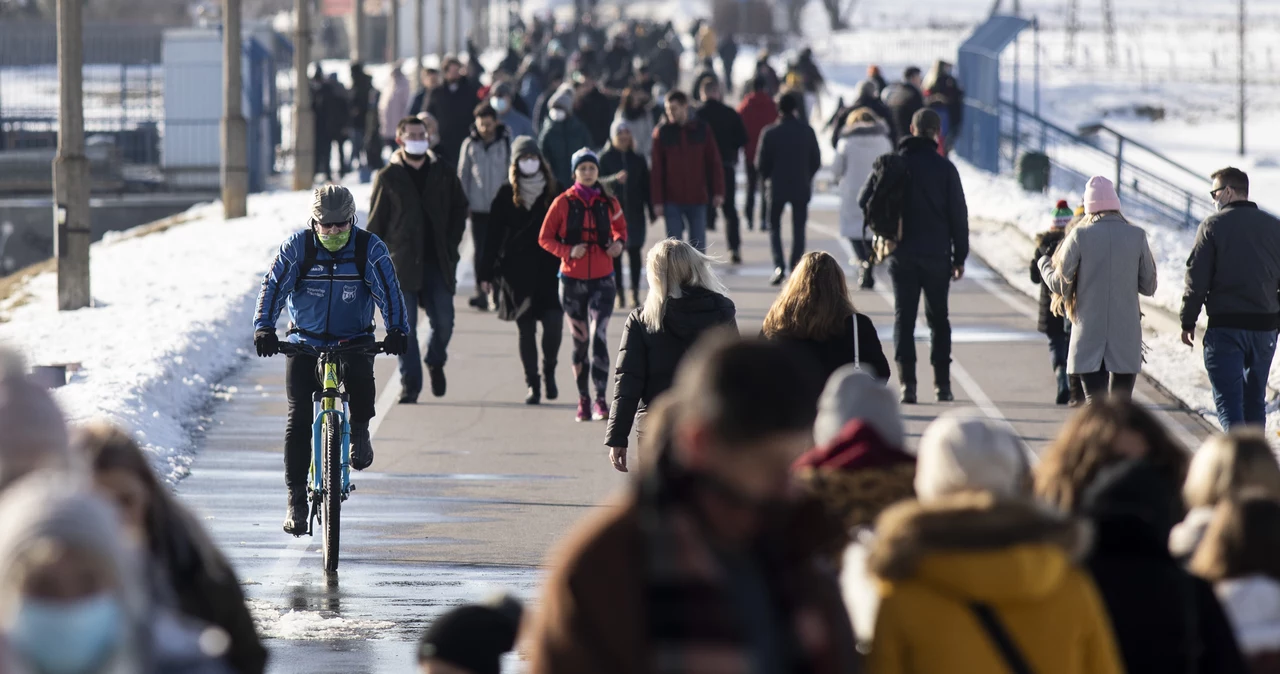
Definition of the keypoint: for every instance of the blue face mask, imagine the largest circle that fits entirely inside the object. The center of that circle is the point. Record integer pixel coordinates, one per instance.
(67, 637)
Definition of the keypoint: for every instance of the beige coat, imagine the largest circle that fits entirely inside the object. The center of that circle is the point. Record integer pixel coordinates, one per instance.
(1106, 264)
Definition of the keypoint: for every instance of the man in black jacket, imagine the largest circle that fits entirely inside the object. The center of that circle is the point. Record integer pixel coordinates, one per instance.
(1234, 272)
(593, 107)
(788, 158)
(731, 136)
(904, 99)
(453, 104)
(930, 254)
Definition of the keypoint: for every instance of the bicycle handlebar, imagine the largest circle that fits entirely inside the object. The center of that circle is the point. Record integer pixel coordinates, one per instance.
(291, 349)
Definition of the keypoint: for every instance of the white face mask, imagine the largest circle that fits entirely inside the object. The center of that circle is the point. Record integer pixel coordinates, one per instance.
(500, 105)
(529, 166)
(416, 147)
(558, 115)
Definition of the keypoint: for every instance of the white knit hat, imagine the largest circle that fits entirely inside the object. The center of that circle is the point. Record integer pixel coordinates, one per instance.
(851, 394)
(966, 451)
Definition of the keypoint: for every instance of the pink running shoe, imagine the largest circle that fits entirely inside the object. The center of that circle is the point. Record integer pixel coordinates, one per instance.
(584, 409)
(601, 411)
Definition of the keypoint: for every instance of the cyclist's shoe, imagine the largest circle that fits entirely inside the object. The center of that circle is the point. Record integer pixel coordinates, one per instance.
(584, 409)
(600, 411)
(361, 447)
(295, 519)
(438, 383)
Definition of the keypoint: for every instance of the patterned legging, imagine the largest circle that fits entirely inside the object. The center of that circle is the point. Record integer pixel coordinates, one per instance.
(588, 305)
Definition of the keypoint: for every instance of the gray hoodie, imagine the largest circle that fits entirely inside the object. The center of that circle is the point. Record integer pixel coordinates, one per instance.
(483, 167)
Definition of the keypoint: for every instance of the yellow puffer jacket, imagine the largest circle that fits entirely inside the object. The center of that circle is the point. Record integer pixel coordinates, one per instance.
(935, 560)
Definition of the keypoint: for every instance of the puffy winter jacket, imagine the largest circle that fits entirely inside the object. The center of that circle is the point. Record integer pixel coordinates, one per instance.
(647, 359)
(758, 110)
(332, 303)
(555, 231)
(484, 167)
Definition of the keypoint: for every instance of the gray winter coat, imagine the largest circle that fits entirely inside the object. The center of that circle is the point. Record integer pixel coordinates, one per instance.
(1107, 264)
(483, 168)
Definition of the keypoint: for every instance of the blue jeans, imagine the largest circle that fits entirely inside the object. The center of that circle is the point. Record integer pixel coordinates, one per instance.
(677, 214)
(1238, 362)
(436, 298)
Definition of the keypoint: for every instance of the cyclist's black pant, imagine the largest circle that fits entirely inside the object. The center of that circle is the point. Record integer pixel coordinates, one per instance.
(301, 381)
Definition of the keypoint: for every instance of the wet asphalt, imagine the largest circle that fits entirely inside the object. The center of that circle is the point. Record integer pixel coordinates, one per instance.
(469, 493)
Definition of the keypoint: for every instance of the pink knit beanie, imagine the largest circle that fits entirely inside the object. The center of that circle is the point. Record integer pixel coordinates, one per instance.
(1100, 195)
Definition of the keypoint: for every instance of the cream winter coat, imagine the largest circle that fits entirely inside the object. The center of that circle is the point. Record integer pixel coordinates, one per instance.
(857, 150)
(1106, 264)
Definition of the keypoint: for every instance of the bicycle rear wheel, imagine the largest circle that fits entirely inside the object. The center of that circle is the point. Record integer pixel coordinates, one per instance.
(331, 503)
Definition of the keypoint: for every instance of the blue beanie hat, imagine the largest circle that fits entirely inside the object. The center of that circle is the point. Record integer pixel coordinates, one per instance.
(584, 155)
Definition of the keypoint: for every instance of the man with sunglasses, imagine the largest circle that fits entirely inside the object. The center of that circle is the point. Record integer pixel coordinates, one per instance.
(330, 276)
(1234, 273)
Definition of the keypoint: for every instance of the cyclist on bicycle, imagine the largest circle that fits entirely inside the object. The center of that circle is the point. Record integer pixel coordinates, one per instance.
(347, 271)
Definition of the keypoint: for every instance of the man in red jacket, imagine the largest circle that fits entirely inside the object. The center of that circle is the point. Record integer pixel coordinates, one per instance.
(758, 110)
(687, 173)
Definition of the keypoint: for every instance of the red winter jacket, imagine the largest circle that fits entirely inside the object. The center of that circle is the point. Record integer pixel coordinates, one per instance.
(555, 228)
(758, 111)
(687, 169)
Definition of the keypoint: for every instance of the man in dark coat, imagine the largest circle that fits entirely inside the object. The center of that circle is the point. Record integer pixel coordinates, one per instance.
(453, 104)
(419, 209)
(731, 136)
(728, 49)
(930, 254)
(593, 108)
(788, 158)
(665, 65)
(617, 63)
(904, 99)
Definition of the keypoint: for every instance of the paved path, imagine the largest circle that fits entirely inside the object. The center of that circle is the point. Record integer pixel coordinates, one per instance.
(469, 492)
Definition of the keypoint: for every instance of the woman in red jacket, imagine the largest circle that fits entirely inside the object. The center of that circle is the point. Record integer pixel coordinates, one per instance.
(585, 228)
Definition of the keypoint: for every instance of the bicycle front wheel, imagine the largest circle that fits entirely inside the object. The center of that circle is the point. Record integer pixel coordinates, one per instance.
(331, 503)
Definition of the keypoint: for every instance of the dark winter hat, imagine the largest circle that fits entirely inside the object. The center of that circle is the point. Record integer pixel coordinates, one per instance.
(503, 90)
(524, 146)
(473, 637)
(584, 156)
(332, 204)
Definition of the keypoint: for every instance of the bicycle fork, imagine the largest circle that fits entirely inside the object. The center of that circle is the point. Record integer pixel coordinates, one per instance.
(317, 453)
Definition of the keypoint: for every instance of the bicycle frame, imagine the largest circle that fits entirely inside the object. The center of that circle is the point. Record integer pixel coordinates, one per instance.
(325, 405)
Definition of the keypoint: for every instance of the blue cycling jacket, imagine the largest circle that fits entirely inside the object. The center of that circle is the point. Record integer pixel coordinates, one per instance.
(332, 303)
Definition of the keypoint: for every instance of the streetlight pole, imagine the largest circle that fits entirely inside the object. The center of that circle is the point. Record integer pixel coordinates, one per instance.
(393, 31)
(357, 31)
(419, 39)
(70, 166)
(235, 174)
(442, 30)
(304, 124)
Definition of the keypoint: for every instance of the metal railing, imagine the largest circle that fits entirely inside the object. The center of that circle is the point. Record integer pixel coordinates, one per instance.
(1158, 189)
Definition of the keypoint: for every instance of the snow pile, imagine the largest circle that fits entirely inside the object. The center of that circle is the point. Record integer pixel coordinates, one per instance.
(313, 625)
(172, 314)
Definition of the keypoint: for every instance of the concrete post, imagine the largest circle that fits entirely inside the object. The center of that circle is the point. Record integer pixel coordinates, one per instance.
(442, 30)
(235, 173)
(393, 32)
(304, 123)
(70, 166)
(419, 40)
(357, 30)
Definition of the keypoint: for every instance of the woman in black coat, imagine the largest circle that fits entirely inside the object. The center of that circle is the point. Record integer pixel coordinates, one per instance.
(525, 276)
(626, 174)
(815, 316)
(686, 299)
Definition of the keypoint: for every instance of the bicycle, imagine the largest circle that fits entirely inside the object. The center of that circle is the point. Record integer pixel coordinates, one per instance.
(329, 481)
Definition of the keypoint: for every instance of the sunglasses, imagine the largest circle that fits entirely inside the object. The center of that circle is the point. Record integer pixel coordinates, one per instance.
(1214, 193)
(332, 225)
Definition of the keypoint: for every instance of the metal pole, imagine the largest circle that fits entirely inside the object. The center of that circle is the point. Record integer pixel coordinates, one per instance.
(1035, 32)
(442, 30)
(304, 124)
(357, 30)
(419, 40)
(1017, 73)
(393, 32)
(459, 44)
(70, 166)
(235, 172)
(1119, 163)
(1242, 79)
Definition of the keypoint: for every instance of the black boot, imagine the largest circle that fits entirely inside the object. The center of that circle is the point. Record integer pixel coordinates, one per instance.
(361, 447)
(534, 395)
(549, 380)
(438, 383)
(635, 298)
(942, 383)
(907, 375)
(1064, 386)
(1077, 391)
(295, 519)
(867, 278)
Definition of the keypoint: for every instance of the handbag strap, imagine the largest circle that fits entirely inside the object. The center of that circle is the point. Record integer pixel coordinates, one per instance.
(1000, 637)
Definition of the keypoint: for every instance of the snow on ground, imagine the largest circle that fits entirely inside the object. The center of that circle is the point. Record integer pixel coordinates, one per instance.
(173, 313)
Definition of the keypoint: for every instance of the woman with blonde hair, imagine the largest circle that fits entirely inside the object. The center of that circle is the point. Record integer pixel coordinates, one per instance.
(1100, 269)
(1225, 466)
(686, 299)
(815, 315)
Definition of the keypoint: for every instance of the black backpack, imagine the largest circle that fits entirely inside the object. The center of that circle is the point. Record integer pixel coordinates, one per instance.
(309, 256)
(890, 180)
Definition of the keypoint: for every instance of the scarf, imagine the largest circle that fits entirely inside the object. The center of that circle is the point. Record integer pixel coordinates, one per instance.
(586, 194)
(530, 187)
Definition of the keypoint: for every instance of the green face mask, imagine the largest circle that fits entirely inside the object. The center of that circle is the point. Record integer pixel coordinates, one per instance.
(334, 242)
